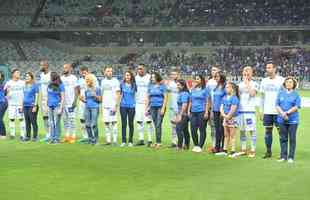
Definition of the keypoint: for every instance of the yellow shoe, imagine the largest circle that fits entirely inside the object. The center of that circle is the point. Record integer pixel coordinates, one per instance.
(72, 140)
(66, 139)
(252, 154)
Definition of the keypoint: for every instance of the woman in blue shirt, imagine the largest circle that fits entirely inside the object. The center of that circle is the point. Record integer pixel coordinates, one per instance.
(288, 102)
(216, 98)
(198, 112)
(127, 106)
(156, 104)
(55, 103)
(92, 99)
(31, 107)
(3, 106)
(182, 117)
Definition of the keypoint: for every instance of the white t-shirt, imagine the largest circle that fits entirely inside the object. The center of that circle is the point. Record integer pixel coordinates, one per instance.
(211, 85)
(142, 83)
(270, 89)
(44, 81)
(109, 88)
(15, 92)
(247, 103)
(173, 91)
(70, 83)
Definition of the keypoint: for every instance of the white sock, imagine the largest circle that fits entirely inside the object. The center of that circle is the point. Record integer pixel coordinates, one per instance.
(47, 128)
(22, 127)
(107, 131)
(253, 141)
(72, 127)
(140, 127)
(174, 134)
(12, 128)
(149, 132)
(243, 140)
(114, 129)
(83, 129)
(213, 135)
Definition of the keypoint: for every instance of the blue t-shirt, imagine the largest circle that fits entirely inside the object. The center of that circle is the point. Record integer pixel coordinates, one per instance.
(128, 96)
(156, 94)
(30, 92)
(218, 94)
(54, 96)
(2, 94)
(199, 99)
(91, 101)
(228, 102)
(286, 100)
(183, 97)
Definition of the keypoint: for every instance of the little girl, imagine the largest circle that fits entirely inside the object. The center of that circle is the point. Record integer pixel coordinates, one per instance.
(230, 111)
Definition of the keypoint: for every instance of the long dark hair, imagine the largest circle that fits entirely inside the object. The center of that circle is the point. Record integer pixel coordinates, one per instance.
(222, 80)
(132, 80)
(235, 88)
(1, 77)
(55, 81)
(183, 83)
(158, 77)
(203, 80)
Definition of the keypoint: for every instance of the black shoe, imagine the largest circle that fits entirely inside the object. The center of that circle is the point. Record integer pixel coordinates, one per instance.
(140, 143)
(24, 139)
(108, 144)
(173, 145)
(267, 155)
(35, 139)
(149, 144)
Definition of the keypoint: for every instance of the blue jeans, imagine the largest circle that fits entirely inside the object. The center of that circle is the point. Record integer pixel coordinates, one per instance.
(198, 123)
(157, 120)
(54, 122)
(288, 135)
(130, 114)
(3, 107)
(91, 123)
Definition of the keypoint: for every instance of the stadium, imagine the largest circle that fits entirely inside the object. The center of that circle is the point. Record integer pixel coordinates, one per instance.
(154, 99)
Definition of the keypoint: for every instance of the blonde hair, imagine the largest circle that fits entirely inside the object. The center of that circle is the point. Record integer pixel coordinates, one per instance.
(92, 79)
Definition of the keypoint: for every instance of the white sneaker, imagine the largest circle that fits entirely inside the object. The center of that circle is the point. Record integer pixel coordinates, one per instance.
(196, 149)
(130, 144)
(290, 160)
(234, 155)
(123, 144)
(223, 153)
(281, 160)
(199, 150)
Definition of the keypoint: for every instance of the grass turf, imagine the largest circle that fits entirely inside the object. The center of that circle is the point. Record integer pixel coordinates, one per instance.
(40, 171)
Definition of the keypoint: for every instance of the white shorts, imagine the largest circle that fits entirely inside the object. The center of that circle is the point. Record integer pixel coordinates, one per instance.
(140, 113)
(82, 111)
(108, 115)
(247, 122)
(44, 108)
(14, 112)
(172, 114)
(69, 114)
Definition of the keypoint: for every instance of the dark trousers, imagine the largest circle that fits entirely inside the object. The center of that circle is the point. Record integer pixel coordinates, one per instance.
(288, 136)
(198, 123)
(31, 120)
(183, 133)
(127, 113)
(219, 130)
(91, 124)
(3, 107)
(157, 120)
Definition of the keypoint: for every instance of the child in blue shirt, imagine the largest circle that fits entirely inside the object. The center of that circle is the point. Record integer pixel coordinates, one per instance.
(229, 111)
(287, 104)
(31, 107)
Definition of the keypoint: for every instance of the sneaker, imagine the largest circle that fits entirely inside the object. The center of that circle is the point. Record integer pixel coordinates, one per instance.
(108, 143)
(149, 144)
(222, 153)
(2, 137)
(194, 149)
(232, 154)
(83, 141)
(157, 146)
(45, 140)
(140, 143)
(66, 139)
(290, 160)
(211, 149)
(281, 160)
(72, 140)
(173, 145)
(25, 139)
(241, 153)
(252, 154)
(267, 155)
(197, 149)
(54, 142)
(123, 144)
(34, 139)
(130, 144)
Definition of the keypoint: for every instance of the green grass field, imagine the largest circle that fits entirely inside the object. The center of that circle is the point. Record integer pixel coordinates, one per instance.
(32, 171)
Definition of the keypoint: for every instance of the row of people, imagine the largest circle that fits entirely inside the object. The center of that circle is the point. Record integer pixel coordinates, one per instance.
(144, 98)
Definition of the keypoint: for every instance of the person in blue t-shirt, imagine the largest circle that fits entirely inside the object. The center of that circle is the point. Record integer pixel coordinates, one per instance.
(216, 98)
(3, 106)
(230, 111)
(55, 103)
(182, 115)
(156, 104)
(287, 104)
(92, 98)
(198, 112)
(127, 106)
(31, 107)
